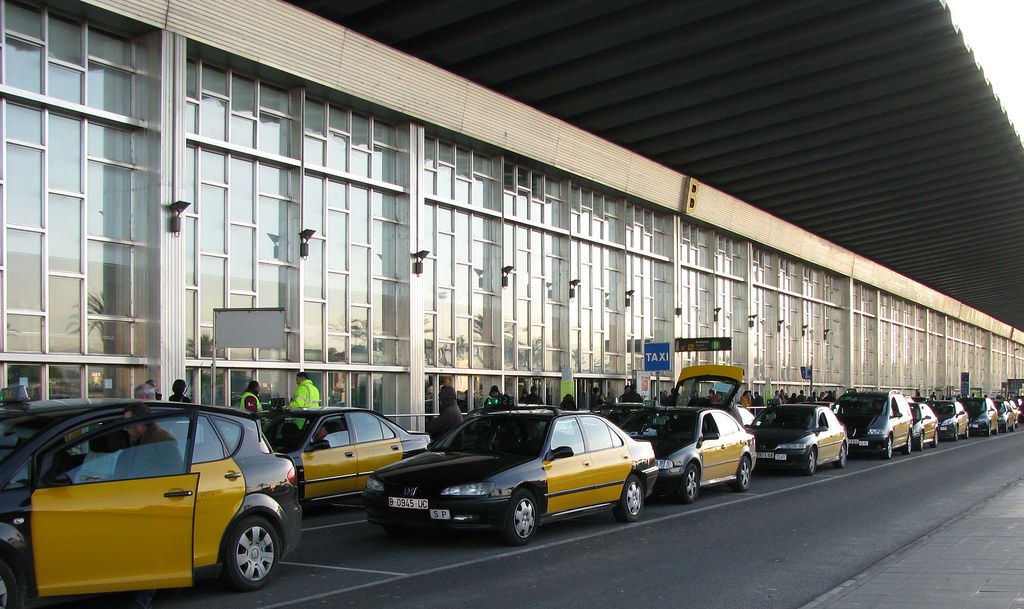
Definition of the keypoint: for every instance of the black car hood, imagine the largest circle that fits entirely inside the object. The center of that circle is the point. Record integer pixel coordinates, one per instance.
(859, 422)
(665, 448)
(441, 469)
(768, 439)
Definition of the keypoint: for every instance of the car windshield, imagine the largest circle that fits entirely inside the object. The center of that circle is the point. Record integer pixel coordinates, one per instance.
(860, 405)
(498, 433)
(678, 427)
(975, 407)
(706, 391)
(18, 428)
(944, 409)
(785, 418)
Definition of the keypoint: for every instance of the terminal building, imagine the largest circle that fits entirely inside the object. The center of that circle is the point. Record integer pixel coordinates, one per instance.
(164, 159)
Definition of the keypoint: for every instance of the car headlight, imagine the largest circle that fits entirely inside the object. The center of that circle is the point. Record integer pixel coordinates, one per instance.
(948, 422)
(664, 464)
(373, 484)
(477, 489)
(981, 419)
(876, 431)
(791, 446)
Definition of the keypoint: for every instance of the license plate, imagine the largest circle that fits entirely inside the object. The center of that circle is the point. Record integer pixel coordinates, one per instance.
(405, 502)
(859, 442)
(765, 455)
(780, 457)
(440, 515)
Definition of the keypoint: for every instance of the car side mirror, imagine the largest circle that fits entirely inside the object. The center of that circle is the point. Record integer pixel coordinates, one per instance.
(56, 478)
(711, 435)
(560, 453)
(320, 445)
(820, 429)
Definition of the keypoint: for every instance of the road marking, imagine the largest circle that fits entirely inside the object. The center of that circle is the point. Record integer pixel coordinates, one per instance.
(608, 531)
(301, 564)
(331, 526)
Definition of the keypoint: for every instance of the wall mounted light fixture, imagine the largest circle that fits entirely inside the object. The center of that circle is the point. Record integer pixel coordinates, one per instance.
(505, 270)
(418, 258)
(779, 324)
(827, 330)
(803, 330)
(750, 320)
(177, 208)
(305, 235)
(717, 311)
(629, 297)
(572, 287)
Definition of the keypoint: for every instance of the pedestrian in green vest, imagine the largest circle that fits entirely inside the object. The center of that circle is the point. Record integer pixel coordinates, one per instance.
(251, 397)
(306, 394)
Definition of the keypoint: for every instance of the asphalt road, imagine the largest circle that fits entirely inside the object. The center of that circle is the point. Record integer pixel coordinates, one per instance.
(780, 545)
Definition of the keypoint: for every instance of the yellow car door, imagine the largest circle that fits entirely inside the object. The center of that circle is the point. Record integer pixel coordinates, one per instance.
(376, 445)
(732, 441)
(570, 478)
(329, 462)
(830, 440)
(221, 486)
(712, 449)
(610, 458)
(109, 517)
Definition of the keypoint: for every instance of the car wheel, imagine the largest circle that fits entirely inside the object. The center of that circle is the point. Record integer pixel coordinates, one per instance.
(988, 431)
(631, 502)
(689, 488)
(935, 439)
(956, 433)
(843, 453)
(742, 481)
(909, 446)
(521, 519)
(250, 553)
(887, 449)
(10, 591)
(919, 442)
(812, 462)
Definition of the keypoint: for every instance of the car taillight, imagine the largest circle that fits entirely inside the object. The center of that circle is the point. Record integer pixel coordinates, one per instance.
(290, 476)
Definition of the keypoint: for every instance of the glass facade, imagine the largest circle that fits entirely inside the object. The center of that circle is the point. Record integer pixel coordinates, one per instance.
(305, 200)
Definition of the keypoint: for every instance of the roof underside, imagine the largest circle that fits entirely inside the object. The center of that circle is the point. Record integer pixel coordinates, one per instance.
(865, 122)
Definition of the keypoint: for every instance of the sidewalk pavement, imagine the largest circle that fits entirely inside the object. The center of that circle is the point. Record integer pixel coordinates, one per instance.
(976, 562)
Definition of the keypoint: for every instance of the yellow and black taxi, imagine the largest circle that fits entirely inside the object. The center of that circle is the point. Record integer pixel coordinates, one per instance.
(512, 470)
(695, 448)
(983, 415)
(876, 421)
(335, 449)
(952, 418)
(799, 436)
(89, 505)
(1007, 415)
(926, 425)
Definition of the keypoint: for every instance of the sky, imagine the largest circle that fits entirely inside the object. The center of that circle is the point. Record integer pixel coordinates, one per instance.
(992, 29)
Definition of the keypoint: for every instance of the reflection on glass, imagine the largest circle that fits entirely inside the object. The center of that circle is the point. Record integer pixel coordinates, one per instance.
(24, 65)
(24, 333)
(109, 89)
(212, 117)
(65, 83)
(313, 331)
(64, 320)
(109, 200)
(65, 382)
(25, 194)
(65, 234)
(109, 279)
(241, 260)
(65, 157)
(25, 267)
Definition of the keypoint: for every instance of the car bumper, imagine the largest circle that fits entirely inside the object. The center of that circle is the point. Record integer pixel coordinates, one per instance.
(782, 459)
(867, 444)
(462, 513)
(979, 426)
(948, 431)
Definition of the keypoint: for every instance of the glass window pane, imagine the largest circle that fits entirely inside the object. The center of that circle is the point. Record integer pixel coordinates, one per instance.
(273, 288)
(337, 152)
(360, 338)
(24, 194)
(242, 202)
(360, 131)
(313, 204)
(274, 237)
(24, 65)
(241, 260)
(359, 205)
(24, 124)
(64, 40)
(65, 83)
(65, 234)
(109, 89)
(111, 48)
(24, 333)
(213, 113)
(65, 382)
(274, 180)
(274, 134)
(337, 240)
(243, 95)
(65, 149)
(109, 200)
(107, 143)
(24, 20)
(243, 131)
(212, 167)
(314, 119)
(337, 303)
(109, 281)
(25, 270)
(213, 213)
(359, 275)
(274, 99)
(211, 287)
(214, 80)
(313, 330)
(64, 315)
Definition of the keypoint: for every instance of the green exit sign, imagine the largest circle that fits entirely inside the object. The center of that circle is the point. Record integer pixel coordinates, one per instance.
(723, 343)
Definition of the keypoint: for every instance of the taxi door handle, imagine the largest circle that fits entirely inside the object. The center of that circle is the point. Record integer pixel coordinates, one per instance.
(233, 475)
(350, 454)
(395, 447)
(586, 464)
(171, 494)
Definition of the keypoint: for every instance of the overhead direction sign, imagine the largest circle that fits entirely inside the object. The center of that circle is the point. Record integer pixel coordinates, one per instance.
(656, 357)
(723, 343)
